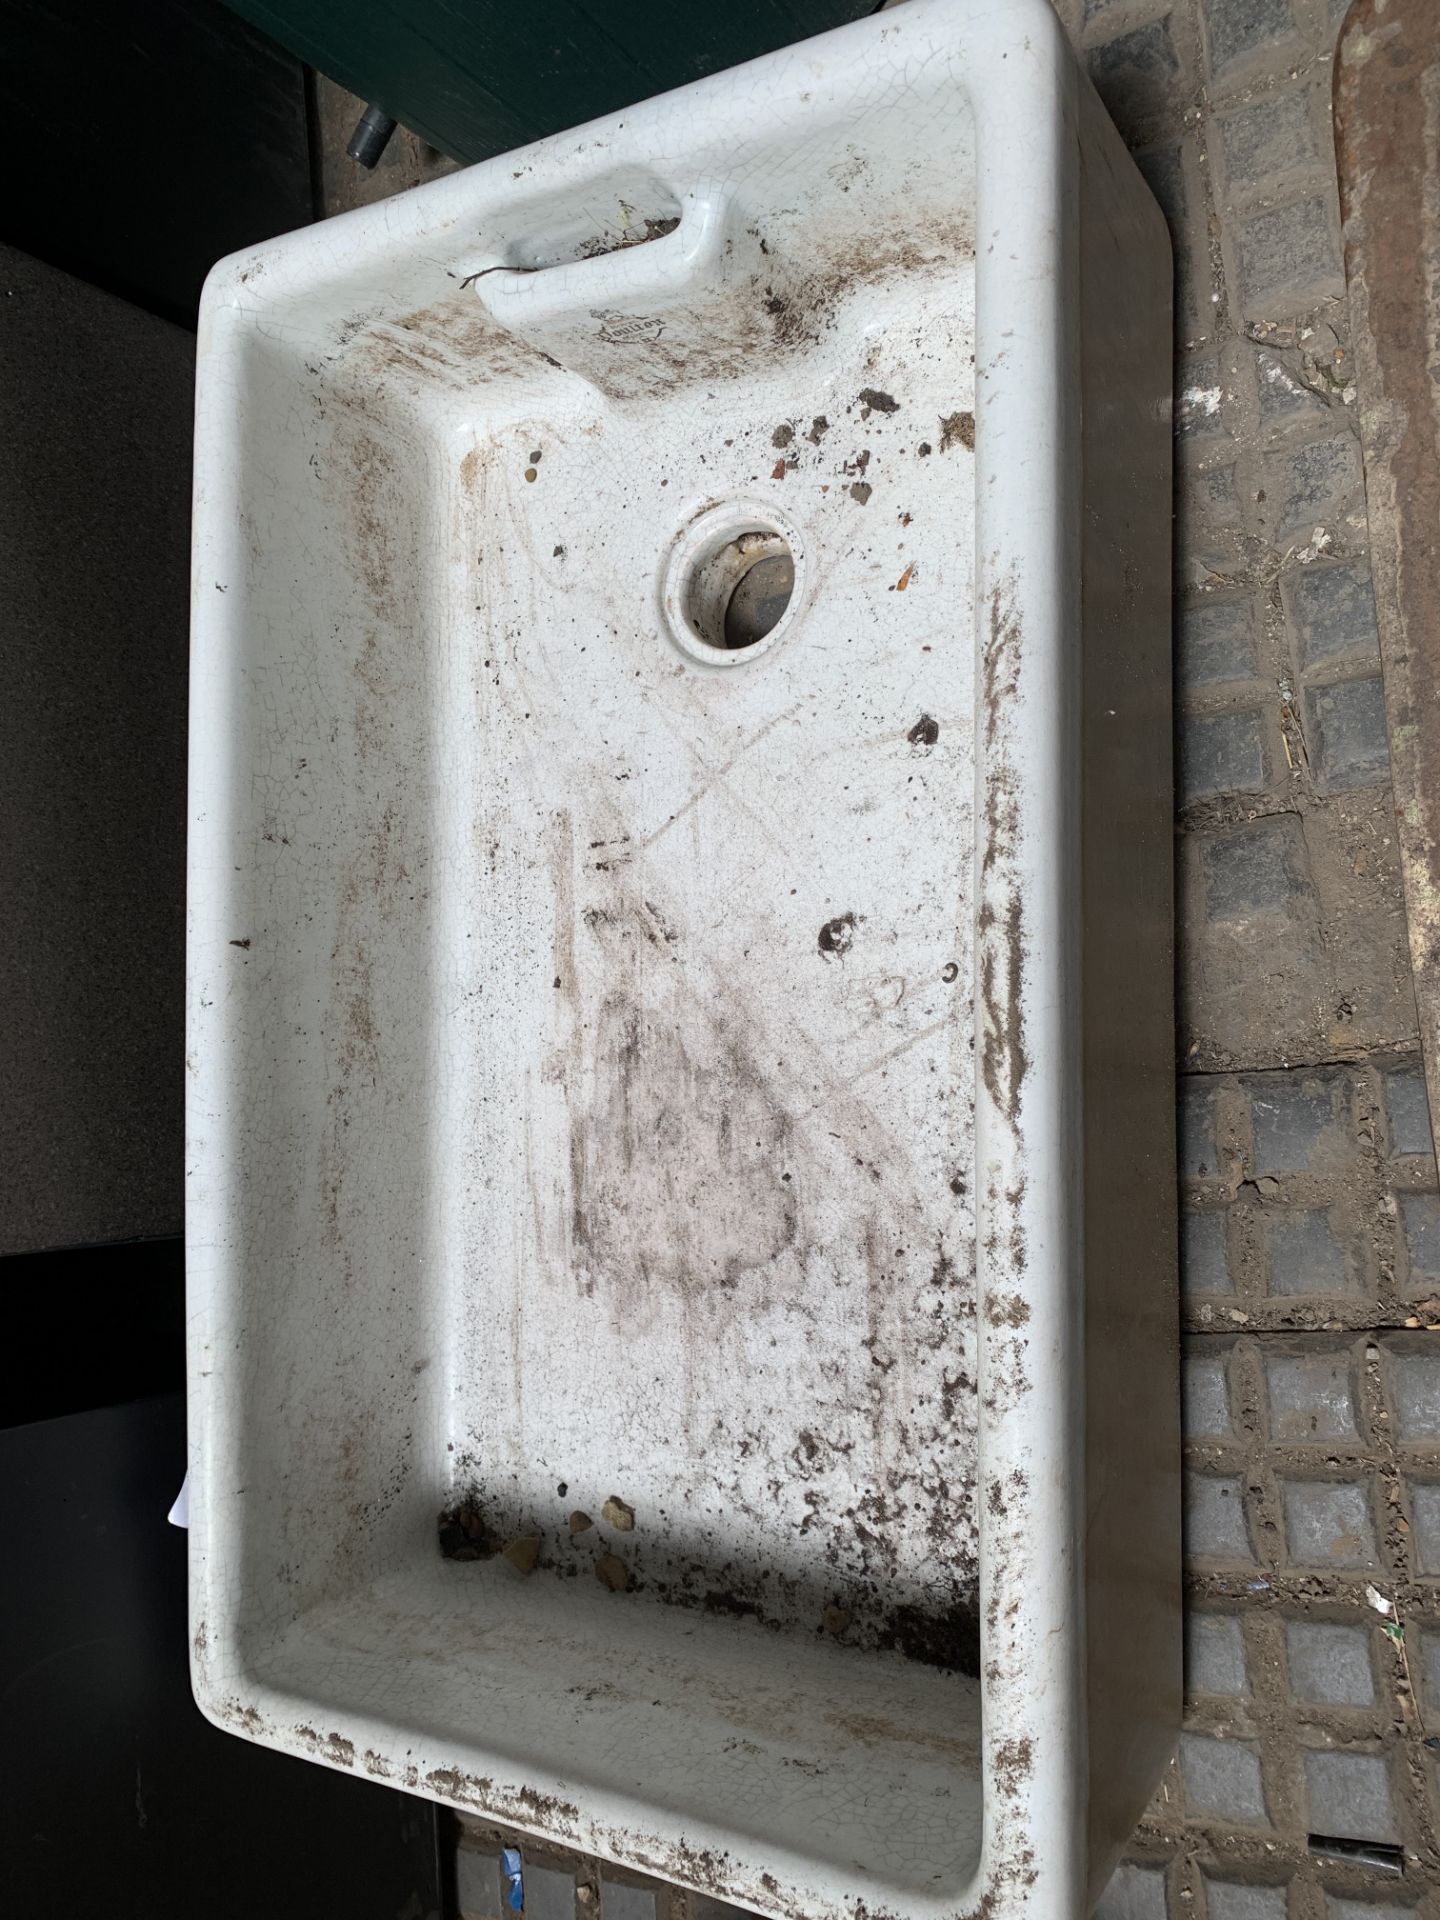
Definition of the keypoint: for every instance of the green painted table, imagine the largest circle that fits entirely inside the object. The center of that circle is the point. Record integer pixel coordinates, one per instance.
(478, 77)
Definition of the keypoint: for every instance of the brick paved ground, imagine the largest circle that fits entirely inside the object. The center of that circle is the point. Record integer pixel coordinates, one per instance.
(1311, 1226)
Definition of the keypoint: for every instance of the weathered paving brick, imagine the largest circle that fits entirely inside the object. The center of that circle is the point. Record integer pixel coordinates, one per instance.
(1294, 1123)
(1311, 1397)
(1415, 1385)
(1206, 1396)
(702, 1907)
(1328, 1525)
(1338, 1908)
(1203, 1263)
(1425, 1525)
(1235, 1900)
(1315, 484)
(1214, 1654)
(1216, 642)
(1284, 396)
(1135, 75)
(1215, 1517)
(1430, 1656)
(1198, 1152)
(477, 1884)
(1134, 1893)
(1211, 500)
(1253, 869)
(1408, 1108)
(1420, 1223)
(1253, 968)
(549, 1893)
(1266, 141)
(1349, 1796)
(1199, 396)
(1348, 743)
(1289, 258)
(1332, 609)
(1221, 753)
(621, 1901)
(1304, 1255)
(1330, 1665)
(1238, 28)
(1222, 1780)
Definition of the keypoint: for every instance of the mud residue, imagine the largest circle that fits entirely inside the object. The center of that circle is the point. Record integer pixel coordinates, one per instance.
(637, 235)
(875, 1730)
(1003, 1061)
(466, 1534)
(801, 311)
(679, 1160)
(1001, 919)
(452, 343)
(371, 488)
(837, 936)
(1012, 1763)
(735, 1605)
(948, 1639)
(957, 429)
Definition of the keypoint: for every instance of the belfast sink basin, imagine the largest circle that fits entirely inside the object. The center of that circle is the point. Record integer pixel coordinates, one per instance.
(680, 1147)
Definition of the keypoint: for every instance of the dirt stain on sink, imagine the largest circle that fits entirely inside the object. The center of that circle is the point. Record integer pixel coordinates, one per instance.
(677, 1157)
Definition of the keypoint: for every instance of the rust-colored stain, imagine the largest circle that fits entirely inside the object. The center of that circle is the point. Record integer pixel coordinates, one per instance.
(1387, 142)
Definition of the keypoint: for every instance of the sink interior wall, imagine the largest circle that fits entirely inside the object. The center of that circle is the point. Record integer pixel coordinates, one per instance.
(330, 914)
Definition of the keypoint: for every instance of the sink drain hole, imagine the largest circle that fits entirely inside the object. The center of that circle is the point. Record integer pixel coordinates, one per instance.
(739, 593)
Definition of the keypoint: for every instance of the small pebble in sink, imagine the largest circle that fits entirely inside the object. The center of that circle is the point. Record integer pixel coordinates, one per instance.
(522, 1553)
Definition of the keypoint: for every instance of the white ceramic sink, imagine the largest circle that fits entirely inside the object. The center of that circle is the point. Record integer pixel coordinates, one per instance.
(679, 984)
